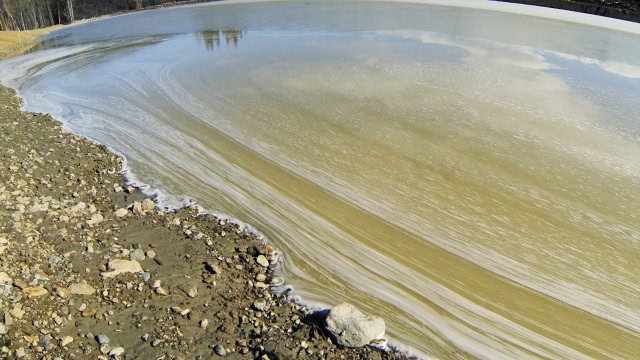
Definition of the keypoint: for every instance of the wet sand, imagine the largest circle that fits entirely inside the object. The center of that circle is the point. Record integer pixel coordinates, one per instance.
(89, 268)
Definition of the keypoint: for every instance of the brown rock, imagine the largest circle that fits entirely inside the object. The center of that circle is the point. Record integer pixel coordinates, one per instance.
(35, 291)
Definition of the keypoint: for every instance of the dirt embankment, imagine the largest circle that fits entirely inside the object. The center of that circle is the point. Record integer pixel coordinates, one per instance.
(89, 268)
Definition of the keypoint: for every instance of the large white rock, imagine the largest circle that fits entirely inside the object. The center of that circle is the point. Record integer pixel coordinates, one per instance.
(352, 328)
(119, 266)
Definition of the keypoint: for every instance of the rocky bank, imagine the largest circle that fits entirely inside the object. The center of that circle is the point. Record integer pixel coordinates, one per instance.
(91, 269)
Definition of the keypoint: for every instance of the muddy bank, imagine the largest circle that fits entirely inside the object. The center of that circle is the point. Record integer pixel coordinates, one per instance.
(624, 10)
(89, 268)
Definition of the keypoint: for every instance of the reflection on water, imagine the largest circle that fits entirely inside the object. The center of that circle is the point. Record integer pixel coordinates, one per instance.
(211, 38)
(470, 176)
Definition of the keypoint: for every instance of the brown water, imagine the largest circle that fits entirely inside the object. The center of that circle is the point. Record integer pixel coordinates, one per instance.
(471, 176)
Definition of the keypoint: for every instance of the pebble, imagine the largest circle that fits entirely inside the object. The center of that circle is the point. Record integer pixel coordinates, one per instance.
(89, 312)
(45, 342)
(3, 329)
(137, 254)
(260, 304)
(35, 291)
(121, 213)
(66, 341)
(146, 276)
(192, 291)
(148, 205)
(102, 339)
(117, 351)
(63, 292)
(213, 268)
(204, 323)
(219, 350)
(262, 260)
(95, 219)
(17, 311)
(161, 291)
(151, 254)
(8, 320)
(5, 279)
(81, 288)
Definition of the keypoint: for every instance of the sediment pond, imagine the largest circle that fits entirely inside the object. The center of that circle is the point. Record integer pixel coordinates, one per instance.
(469, 175)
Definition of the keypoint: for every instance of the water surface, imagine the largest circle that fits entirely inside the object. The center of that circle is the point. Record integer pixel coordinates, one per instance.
(470, 176)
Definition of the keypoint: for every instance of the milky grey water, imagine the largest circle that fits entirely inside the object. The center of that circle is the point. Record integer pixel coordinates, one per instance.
(471, 176)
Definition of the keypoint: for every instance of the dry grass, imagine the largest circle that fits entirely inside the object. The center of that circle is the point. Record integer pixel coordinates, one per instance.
(13, 43)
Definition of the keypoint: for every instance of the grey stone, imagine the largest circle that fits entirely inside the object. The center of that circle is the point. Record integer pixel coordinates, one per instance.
(102, 339)
(3, 329)
(137, 254)
(146, 276)
(351, 328)
(219, 350)
(45, 342)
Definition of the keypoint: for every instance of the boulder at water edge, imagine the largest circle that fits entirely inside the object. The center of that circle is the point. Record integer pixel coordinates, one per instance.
(352, 328)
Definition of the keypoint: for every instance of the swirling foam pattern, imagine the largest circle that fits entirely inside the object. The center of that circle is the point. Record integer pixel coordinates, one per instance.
(471, 176)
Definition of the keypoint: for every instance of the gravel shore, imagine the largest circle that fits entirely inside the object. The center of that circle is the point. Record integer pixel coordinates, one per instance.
(90, 268)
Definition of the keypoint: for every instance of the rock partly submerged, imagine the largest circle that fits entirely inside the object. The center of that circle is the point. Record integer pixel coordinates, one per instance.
(351, 328)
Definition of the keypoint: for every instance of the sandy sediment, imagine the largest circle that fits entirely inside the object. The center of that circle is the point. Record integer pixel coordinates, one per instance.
(90, 268)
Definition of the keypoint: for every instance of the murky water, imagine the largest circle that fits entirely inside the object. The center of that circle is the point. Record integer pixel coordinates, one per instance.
(471, 176)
